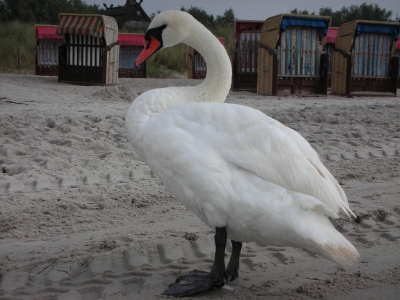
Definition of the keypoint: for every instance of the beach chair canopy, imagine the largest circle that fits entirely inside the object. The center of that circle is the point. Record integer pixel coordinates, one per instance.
(245, 25)
(131, 44)
(47, 32)
(322, 23)
(98, 26)
(378, 28)
(329, 46)
(348, 32)
(274, 27)
(331, 36)
(131, 39)
(46, 52)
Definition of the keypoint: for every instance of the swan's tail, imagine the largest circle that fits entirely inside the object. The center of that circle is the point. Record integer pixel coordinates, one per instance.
(331, 244)
(345, 255)
(326, 240)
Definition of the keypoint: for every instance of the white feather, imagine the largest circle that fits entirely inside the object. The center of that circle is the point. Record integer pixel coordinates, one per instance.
(232, 165)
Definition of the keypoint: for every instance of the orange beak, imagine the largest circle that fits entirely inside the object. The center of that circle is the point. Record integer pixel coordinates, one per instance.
(152, 46)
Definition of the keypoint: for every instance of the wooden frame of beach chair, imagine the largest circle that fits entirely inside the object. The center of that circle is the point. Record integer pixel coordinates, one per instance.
(397, 53)
(329, 47)
(364, 61)
(46, 51)
(291, 58)
(90, 54)
(245, 54)
(130, 46)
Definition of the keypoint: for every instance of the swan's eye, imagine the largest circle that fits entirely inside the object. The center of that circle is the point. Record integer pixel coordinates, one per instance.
(154, 32)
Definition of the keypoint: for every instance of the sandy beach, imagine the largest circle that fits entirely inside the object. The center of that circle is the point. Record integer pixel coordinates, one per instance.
(83, 217)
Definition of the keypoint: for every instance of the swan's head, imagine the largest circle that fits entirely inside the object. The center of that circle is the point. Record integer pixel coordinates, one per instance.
(166, 30)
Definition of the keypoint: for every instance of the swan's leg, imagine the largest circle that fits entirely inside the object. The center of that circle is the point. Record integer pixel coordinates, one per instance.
(218, 268)
(232, 270)
(199, 281)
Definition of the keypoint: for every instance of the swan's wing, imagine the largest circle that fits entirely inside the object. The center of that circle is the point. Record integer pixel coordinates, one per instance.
(313, 158)
(284, 158)
(280, 155)
(251, 140)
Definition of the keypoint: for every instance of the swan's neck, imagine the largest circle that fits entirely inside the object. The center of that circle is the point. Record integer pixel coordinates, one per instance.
(214, 88)
(217, 83)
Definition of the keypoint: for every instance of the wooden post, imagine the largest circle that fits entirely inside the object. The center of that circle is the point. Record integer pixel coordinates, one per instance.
(322, 87)
(348, 75)
(274, 71)
(395, 64)
(19, 59)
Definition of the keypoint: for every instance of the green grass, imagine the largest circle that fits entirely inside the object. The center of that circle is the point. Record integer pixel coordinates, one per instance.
(16, 35)
(156, 71)
(173, 59)
(227, 34)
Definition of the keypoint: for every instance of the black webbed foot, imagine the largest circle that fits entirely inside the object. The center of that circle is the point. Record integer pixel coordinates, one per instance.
(192, 283)
(199, 281)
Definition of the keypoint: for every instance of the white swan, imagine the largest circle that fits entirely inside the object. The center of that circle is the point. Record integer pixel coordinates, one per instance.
(241, 172)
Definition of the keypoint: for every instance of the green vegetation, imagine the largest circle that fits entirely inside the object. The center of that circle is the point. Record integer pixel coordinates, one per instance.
(43, 11)
(17, 30)
(363, 11)
(356, 12)
(220, 26)
(301, 12)
(171, 58)
(210, 21)
(156, 71)
(17, 35)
